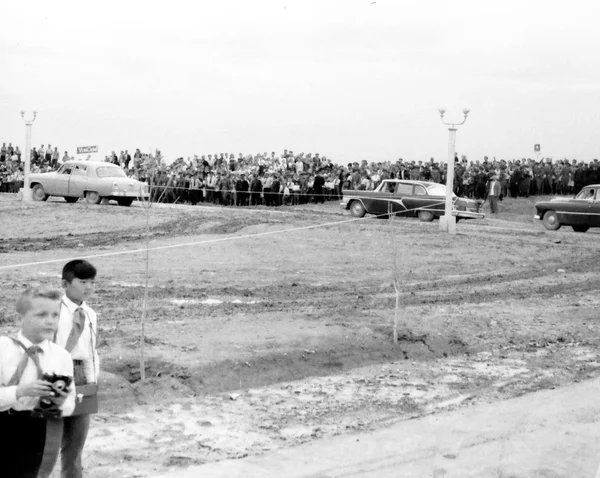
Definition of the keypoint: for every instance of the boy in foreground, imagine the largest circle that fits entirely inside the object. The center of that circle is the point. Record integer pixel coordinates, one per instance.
(26, 440)
(77, 334)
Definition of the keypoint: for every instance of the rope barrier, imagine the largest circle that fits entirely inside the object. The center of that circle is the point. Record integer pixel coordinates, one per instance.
(196, 243)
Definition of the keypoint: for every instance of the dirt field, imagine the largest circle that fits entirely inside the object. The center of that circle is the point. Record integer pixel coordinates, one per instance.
(268, 330)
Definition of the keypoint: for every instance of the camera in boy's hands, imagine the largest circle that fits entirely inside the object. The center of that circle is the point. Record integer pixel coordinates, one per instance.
(59, 383)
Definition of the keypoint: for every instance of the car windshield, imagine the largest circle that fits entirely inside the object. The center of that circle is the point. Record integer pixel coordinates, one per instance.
(110, 172)
(586, 194)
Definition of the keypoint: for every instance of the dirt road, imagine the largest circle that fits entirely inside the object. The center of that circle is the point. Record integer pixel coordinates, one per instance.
(297, 320)
(547, 433)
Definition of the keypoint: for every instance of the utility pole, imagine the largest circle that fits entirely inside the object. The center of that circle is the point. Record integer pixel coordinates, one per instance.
(448, 221)
(26, 191)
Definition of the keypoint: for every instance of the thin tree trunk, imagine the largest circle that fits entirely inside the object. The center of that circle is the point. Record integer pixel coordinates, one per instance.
(145, 302)
(396, 279)
(396, 311)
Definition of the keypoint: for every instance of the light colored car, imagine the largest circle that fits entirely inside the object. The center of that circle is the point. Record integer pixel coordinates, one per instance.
(92, 180)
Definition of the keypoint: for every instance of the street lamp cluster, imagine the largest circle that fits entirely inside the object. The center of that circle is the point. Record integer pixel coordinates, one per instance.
(26, 191)
(448, 221)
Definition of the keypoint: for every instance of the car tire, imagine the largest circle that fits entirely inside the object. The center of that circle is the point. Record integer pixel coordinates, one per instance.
(580, 228)
(551, 221)
(426, 216)
(357, 209)
(92, 197)
(71, 200)
(38, 193)
(126, 202)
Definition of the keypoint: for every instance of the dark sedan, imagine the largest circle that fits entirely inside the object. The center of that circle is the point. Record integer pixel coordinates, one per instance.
(412, 198)
(580, 212)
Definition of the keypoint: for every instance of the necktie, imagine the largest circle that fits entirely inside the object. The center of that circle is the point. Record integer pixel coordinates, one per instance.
(78, 324)
(33, 350)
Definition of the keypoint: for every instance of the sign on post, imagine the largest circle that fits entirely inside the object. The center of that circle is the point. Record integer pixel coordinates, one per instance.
(87, 149)
(537, 148)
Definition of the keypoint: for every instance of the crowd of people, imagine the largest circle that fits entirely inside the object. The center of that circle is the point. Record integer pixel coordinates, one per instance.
(298, 178)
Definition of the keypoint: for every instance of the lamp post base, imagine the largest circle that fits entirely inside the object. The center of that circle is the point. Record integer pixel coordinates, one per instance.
(448, 224)
(25, 195)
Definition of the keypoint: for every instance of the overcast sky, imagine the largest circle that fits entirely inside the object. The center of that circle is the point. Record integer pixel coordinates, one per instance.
(350, 79)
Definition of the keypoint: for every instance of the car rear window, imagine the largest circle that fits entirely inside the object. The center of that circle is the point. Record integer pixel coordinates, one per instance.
(420, 191)
(110, 172)
(437, 190)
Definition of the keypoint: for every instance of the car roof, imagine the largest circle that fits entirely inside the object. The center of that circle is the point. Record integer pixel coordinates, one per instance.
(592, 186)
(92, 163)
(414, 181)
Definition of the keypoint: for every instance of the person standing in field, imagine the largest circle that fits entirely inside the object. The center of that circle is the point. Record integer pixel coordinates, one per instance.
(28, 442)
(77, 334)
(494, 191)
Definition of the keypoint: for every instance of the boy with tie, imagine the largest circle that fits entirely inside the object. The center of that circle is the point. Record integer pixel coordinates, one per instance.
(26, 439)
(77, 334)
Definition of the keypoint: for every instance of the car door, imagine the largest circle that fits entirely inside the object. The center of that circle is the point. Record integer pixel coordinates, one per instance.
(378, 201)
(59, 185)
(401, 193)
(422, 200)
(579, 210)
(78, 181)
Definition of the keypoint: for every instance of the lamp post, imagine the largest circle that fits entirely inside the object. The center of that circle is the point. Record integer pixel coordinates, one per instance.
(448, 221)
(26, 191)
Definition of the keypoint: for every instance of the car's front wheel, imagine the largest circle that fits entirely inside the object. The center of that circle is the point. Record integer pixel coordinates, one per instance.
(357, 209)
(551, 221)
(580, 228)
(38, 193)
(92, 197)
(426, 216)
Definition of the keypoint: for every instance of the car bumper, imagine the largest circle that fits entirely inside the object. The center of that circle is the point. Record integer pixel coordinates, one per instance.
(468, 214)
(344, 205)
(537, 216)
(127, 194)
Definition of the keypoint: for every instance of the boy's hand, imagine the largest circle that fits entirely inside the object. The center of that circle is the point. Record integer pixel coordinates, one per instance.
(37, 388)
(59, 397)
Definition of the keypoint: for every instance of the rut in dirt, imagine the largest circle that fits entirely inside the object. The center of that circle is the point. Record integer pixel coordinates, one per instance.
(269, 369)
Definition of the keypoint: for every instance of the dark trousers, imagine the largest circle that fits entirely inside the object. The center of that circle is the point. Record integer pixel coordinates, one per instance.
(22, 440)
(493, 204)
(74, 435)
(75, 430)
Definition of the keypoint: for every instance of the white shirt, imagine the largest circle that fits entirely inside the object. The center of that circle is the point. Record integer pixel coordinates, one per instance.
(54, 359)
(85, 349)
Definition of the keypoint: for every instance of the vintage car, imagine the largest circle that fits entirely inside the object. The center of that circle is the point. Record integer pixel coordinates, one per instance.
(92, 180)
(580, 212)
(411, 198)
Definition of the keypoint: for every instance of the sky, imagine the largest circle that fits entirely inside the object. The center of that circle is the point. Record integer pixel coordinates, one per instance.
(349, 79)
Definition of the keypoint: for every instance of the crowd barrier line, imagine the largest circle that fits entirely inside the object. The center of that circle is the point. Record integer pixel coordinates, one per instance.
(196, 243)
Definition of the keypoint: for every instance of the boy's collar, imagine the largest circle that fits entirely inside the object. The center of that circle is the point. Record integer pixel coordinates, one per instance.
(70, 304)
(26, 342)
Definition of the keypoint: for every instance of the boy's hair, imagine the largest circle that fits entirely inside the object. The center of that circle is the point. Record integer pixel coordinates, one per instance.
(79, 269)
(24, 300)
